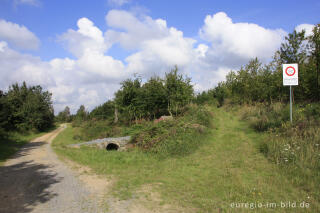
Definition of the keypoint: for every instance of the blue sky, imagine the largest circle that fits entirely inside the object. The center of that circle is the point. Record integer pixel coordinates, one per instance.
(81, 50)
(47, 19)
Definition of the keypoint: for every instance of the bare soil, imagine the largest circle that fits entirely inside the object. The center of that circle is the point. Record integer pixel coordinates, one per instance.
(35, 180)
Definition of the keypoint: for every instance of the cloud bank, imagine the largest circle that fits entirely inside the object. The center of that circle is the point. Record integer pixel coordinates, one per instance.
(93, 75)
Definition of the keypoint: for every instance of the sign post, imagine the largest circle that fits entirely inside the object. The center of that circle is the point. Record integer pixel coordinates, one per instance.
(290, 78)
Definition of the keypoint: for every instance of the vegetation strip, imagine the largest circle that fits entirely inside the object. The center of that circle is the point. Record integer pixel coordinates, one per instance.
(226, 168)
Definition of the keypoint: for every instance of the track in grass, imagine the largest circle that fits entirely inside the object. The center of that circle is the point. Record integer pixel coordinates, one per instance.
(227, 169)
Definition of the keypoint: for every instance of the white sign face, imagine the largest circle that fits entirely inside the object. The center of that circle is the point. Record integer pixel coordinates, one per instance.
(290, 74)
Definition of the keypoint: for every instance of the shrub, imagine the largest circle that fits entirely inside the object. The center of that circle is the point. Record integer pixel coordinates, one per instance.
(93, 129)
(296, 146)
(177, 137)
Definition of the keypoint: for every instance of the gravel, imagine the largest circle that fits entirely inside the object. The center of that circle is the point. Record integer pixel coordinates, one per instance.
(34, 180)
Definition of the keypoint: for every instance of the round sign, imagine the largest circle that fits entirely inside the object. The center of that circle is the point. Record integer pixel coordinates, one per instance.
(290, 71)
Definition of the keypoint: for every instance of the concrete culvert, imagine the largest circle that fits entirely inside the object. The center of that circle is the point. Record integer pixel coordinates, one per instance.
(112, 146)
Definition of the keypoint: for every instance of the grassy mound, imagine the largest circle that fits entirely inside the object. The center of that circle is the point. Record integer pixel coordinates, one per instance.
(176, 137)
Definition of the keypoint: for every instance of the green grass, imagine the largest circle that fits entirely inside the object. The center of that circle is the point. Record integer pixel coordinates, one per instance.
(295, 147)
(14, 141)
(226, 168)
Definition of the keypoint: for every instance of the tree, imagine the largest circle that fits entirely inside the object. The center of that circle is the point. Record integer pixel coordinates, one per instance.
(64, 116)
(179, 90)
(314, 40)
(29, 108)
(81, 113)
(155, 99)
(4, 113)
(294, 49)
(220, 93)
(128, 99)
(104, 111)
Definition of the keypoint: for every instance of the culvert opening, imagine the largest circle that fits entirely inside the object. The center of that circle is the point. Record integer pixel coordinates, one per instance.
(112, 146)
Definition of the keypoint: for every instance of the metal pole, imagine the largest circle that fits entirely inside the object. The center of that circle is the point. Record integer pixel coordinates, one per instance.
(290, 105)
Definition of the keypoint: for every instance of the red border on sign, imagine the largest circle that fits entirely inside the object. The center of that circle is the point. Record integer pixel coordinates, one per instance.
(294, 71)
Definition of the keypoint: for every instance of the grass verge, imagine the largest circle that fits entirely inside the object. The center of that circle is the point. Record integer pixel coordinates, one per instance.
(294, 147)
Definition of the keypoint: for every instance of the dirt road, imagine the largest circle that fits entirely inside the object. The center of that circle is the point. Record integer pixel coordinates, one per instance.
(34, 180)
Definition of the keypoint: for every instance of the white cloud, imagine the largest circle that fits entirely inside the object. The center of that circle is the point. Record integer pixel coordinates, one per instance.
(307, 27)
(245, 40)
(158, 46)
(17, 67)
(3, 45)
(88, 38)
(27, 2)
(94, 75)
(133, 31)
(18, 36)
(118, 2)
(71, 82)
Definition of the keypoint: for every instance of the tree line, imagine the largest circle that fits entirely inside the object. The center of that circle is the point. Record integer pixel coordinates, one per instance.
(25, 108)
(256, 82)
(136, 100)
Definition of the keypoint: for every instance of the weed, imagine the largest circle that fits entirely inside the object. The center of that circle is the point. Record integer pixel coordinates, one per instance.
(294, 147)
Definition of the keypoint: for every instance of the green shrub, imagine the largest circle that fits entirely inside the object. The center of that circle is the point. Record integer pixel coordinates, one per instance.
(93, 129)
(177, 137)
(262, 116)
(294, 147)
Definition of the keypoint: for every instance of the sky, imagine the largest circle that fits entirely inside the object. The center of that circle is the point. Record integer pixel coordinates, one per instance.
(81, 50)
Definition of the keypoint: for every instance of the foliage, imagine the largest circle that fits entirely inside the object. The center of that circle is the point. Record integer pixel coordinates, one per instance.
(93, 129)
(80, 116)
(4, 114)
(262, 116)
(225, 168)
(155, 98)
(129, 99)
(296, 146)
(104, 111)
(64, 116)
(13, 141)
(263, 83)
(175, 137)
(314, 41)
(293, 50)
(25, 108)
(179, 91)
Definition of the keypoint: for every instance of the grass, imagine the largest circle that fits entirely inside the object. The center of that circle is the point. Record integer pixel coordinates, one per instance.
(14, 141)
(226, 168)
(295, 147)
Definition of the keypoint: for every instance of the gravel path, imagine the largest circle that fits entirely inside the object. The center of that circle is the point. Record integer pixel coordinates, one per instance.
(34, 180)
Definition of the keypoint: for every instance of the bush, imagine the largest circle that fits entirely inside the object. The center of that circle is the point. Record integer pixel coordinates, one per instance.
(93, 129)
(296, 146)
(177, 137)
(262, 116)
